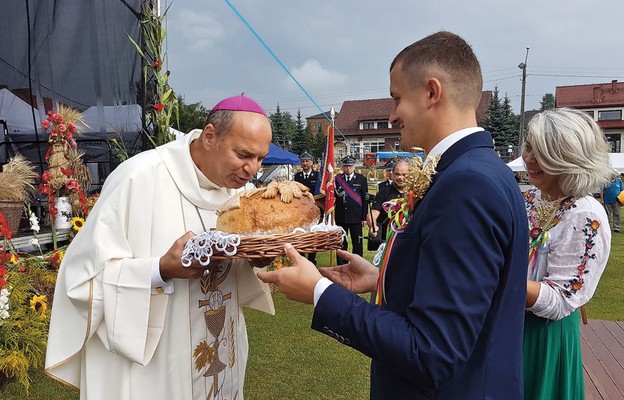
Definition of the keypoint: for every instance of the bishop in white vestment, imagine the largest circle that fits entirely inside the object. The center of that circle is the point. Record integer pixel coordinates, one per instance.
(113, 334)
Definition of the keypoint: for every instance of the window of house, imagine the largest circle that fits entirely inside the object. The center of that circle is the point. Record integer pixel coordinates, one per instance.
(317, 126)
(382, 125)
(590, 113)
(615, 141)
(374, 145)
(368, 125)
(397, 145)
(610, 115)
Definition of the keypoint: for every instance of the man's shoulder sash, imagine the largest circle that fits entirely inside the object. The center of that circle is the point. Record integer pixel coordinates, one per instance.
(349, 190)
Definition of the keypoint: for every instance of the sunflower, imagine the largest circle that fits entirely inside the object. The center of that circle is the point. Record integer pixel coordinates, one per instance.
(38, 305)
(77, 223)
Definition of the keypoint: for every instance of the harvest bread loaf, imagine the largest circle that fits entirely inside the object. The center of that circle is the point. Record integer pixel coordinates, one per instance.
(278, 208)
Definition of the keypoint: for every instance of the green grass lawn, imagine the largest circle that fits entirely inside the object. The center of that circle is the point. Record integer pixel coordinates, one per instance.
(288, 360)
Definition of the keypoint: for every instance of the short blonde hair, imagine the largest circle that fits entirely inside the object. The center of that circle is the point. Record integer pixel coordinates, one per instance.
(568, 143)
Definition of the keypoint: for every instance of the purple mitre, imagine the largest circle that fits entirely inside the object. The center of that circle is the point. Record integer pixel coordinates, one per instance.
(239, 103)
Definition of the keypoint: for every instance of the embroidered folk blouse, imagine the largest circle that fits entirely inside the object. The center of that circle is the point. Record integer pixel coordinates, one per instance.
(570, 257)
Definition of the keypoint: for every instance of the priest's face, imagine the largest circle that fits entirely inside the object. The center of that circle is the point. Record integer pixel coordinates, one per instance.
(231, 160)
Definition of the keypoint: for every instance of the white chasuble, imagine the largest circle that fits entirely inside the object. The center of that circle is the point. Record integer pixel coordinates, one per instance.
(109, 335)
(218, 331)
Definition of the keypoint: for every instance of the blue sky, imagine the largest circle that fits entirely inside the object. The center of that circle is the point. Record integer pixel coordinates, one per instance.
(341, 50)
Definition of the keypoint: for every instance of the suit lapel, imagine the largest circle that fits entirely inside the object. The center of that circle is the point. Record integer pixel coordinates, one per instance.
(472, 141)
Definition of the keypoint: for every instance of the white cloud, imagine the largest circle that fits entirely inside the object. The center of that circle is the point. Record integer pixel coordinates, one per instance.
(313, 76)
(200, 30)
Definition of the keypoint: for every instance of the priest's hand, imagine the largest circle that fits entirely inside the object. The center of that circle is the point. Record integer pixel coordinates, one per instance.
(296, 282)
(357, 275)
(171, 263)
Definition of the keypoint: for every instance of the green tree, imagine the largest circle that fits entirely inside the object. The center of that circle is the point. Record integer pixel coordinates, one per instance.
(303, 139)
(548, 102)
(500, 121)
(192, 116)
(284, 128)
(317, 145)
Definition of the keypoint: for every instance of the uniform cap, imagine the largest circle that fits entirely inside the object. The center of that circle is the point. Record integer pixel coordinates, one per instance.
(348, 161)
(390, 165)
(306, 156)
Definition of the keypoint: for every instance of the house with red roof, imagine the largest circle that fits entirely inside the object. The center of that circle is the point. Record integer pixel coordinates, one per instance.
(604, 102)
(366, 126)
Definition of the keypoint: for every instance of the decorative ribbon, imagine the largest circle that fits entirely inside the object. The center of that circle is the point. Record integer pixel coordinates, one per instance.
(399, 213)
(537, 240)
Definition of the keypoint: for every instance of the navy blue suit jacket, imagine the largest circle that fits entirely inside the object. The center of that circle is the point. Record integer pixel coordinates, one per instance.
(452, 324)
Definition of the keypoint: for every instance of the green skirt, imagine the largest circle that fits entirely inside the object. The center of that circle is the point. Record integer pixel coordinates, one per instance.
(553, 366)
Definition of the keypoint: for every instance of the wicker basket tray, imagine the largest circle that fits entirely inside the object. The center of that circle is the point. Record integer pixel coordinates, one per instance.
(12, 211)
(269, 246)
(201, 248)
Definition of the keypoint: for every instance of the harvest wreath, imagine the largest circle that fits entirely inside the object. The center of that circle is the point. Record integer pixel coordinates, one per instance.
(258, 222)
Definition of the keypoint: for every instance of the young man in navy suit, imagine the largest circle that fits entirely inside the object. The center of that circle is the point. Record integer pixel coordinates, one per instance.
(451, 320)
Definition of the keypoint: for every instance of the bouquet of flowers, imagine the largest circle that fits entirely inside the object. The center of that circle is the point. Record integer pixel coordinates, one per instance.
(26, 290)
(66, 176)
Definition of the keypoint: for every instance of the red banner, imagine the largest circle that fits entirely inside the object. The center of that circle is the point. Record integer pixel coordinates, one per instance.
(327, 175)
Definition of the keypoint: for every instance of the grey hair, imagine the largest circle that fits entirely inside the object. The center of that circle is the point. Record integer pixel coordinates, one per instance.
(222, 120)
(568, 143)
(400, 162)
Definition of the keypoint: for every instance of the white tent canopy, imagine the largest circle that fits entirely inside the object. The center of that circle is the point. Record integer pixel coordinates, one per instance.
(17, 113)
(616, 159)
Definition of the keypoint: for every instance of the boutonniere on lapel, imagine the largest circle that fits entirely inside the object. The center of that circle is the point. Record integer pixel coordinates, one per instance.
(421, 171)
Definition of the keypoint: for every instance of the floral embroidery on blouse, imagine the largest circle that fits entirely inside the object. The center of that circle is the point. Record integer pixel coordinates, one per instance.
(575, 284)
(570, 256)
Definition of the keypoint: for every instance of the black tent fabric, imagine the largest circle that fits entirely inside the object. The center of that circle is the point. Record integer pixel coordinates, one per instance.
(75, 52)
(277, 155)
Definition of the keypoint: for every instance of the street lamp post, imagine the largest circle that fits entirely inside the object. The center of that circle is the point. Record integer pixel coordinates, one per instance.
(523, 67)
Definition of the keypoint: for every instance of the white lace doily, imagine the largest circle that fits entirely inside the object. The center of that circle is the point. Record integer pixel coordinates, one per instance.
(203, 246)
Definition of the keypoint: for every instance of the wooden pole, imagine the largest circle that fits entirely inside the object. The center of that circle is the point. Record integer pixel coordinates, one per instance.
(584, 315)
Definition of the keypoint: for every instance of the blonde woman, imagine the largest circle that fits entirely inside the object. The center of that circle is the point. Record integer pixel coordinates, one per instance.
(567, 160)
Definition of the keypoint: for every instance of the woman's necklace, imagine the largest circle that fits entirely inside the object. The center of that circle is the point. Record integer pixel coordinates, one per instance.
(545, 216)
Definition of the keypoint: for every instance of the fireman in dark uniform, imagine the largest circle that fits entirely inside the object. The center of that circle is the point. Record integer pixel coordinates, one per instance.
(389, 166)
(351, 208)
(308, 177)
(378, 218)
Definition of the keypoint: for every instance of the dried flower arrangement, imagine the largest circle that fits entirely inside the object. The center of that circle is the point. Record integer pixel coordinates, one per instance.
(66, 176)
(17, 182)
